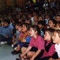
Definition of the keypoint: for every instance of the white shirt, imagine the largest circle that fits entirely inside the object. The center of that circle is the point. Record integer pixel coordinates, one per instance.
(57, 49)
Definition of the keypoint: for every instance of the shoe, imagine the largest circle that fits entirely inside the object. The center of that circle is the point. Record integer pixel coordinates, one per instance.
(2, 43)
(18, 59)
(15, 52)
(12, 45)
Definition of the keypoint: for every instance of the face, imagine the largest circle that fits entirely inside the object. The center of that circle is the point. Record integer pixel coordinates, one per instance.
(57, 18)
(24, 28)
(32, 32)
(5, 24)
(16, 26)
(51, 24)
(47, 36)
(40, 25)
(27, 21)
(35, 18)
(55, 37)
(20, 28)
(40, 18)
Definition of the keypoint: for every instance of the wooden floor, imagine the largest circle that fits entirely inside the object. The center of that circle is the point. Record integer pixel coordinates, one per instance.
(5, 53)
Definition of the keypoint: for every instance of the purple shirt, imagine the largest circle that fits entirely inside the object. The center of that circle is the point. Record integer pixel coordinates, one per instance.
(37, 42)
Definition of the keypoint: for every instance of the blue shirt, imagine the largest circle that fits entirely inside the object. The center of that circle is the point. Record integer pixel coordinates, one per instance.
(5, 31)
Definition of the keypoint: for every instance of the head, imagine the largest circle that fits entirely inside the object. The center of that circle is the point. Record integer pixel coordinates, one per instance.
(35, 18)
(18, 24)
(58, 25)
(40, 18)
(6, 22)
(34, 30)
(47, 16)
(48, 34)
(41, 24)
(28, 21)
(56, 37)
(0, 23)
(57, 18)
(19, 27)
(25, 27)
(52, 23)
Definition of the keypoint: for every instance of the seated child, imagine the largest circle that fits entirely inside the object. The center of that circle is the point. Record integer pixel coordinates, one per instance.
(24, 38)
(36, 44)
(5, 32)
(41, 26)
(51, 23)
(56, 40)
(18, 28)
(49, 46)
(57, 25)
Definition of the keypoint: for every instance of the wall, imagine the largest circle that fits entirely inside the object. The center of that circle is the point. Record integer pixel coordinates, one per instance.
(2, 5)
(5, 3)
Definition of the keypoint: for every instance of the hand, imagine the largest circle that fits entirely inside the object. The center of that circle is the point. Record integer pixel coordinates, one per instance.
(32, 59)
(22, 55)
(51, 59)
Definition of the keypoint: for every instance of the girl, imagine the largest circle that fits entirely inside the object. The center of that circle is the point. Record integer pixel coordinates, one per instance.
(36, 44)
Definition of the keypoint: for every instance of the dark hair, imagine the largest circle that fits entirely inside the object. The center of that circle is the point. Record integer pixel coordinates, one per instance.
(41, 22)
(0, 22)
(50, 31)
(27, 25)
(58, 22)
(36, 28)
(53, 20)
(7, 21)
(19, 24)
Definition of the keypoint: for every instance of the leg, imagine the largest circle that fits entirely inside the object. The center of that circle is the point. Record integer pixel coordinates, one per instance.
(23, 49)
(30, 54)
(17, 48)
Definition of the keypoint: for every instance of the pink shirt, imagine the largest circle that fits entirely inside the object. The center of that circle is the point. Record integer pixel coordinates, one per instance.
(51, 50)
(37, 42)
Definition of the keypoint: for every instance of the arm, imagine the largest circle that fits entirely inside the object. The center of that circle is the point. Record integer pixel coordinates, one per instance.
(27, 50)
(50, 52)
(35, 55)
(54, 59)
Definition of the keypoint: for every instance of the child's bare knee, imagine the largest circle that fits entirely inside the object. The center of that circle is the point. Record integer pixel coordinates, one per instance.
(29, 54)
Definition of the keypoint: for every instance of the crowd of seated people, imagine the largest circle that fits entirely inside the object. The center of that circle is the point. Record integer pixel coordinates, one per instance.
(33, 33)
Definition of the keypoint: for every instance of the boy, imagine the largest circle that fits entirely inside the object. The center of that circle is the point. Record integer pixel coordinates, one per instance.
(5, 32)
(49, 46)
(56, 40)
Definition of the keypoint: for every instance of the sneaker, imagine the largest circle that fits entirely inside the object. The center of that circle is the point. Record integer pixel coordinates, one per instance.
(12, 45)
(3, 42)
(18, 59)
(15, 52)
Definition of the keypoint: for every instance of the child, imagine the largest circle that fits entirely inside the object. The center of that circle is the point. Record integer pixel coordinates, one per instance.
(52, 23)
(56, 40)
(49, 46)
(41, 26)
(36, 44)
(18, 28)
(5, 32)
(57, 25)
(24, 38)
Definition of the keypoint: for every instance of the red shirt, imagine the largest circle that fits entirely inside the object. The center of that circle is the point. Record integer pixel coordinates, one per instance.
(37, 42)
(51, 50)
